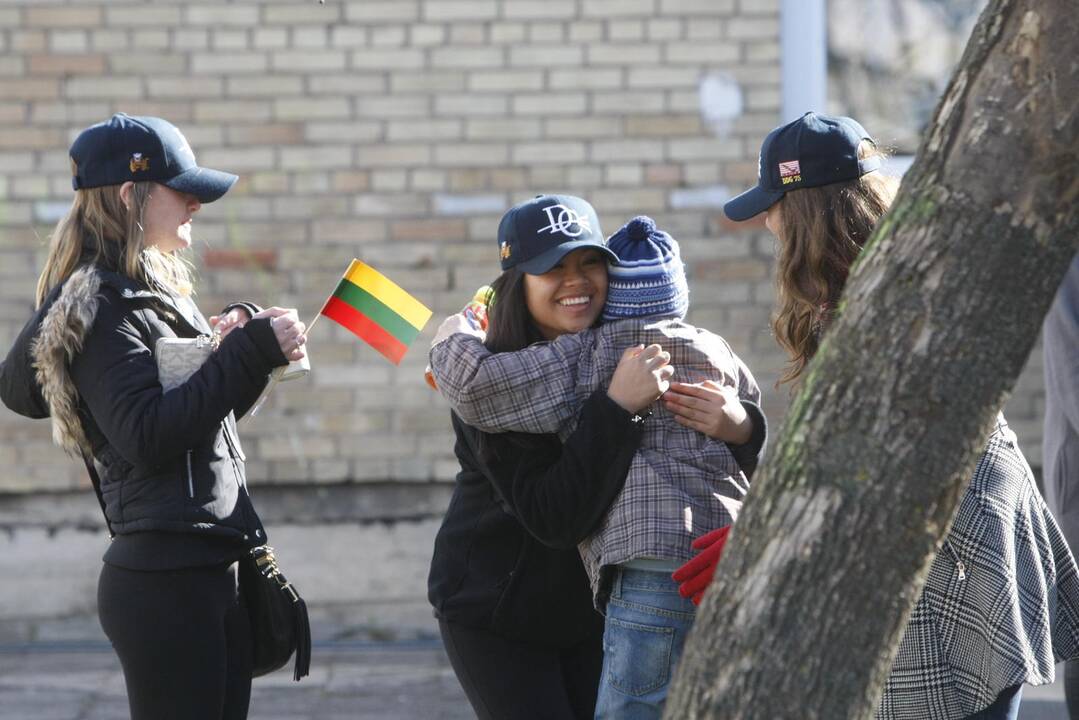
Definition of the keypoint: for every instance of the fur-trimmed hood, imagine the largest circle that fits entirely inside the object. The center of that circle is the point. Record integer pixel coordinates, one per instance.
(60, 336)
(63, 330)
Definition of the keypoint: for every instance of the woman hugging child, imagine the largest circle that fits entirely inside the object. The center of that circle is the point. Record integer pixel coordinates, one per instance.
(680, 482)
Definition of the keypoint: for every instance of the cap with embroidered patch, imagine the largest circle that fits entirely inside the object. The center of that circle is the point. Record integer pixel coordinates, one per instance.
(813, 150)
(142, 148)
(535, 235)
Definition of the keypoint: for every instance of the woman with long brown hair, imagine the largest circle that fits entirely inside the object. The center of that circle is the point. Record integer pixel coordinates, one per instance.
(167, 461)
(1001, 603)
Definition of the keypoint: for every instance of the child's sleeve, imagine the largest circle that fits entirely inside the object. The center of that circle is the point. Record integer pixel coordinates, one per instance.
(530, 390)
(747, 384)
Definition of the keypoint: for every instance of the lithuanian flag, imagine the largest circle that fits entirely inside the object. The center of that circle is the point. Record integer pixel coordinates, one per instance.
(376, 310)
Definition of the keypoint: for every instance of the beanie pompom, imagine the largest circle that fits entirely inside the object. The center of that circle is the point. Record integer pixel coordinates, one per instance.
(640, 227)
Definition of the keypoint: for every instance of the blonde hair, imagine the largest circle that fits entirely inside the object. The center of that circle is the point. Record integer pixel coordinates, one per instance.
(823, 230)
(98, 221)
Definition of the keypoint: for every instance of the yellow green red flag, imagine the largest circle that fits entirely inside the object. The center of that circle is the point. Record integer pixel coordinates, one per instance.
(377, 310)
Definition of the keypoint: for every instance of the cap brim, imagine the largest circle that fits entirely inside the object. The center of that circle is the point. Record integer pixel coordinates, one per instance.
(205, 184)
(549, 258)
(750, 203)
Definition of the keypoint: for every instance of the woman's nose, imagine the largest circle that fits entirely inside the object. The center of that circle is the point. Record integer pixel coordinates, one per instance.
(193, 204)
(574, 276)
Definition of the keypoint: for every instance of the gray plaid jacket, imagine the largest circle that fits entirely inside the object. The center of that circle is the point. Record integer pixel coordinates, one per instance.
(1001, 604)
(671, 491)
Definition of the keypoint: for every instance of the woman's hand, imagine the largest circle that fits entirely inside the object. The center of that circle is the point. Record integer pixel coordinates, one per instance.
(288, 330)
(642, 375)
(712, 409)
(224, 324)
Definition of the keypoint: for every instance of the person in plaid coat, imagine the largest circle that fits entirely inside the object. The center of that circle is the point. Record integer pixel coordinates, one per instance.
(1001, 603)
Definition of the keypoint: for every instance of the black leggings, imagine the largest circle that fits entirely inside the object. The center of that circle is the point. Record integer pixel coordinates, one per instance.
(183, 639)
(508, 680)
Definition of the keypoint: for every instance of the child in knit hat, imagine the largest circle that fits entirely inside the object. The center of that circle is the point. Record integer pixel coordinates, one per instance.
(680, 483)
(649, 278)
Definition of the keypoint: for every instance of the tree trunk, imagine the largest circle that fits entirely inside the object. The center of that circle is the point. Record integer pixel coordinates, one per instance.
(834, 543)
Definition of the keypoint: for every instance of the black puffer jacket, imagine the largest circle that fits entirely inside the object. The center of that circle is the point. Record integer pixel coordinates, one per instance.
(505, 558)
(168, 462)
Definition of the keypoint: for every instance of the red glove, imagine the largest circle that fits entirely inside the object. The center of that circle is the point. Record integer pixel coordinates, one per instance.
(695, 576)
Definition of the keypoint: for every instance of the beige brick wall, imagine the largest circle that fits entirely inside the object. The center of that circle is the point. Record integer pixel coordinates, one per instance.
(396, 132)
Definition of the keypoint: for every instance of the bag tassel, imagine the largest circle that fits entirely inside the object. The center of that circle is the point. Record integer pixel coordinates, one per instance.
(303, 640)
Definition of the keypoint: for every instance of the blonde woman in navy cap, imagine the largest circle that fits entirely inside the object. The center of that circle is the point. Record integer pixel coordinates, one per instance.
(1001, 604)
(679, 483)
(169, 465)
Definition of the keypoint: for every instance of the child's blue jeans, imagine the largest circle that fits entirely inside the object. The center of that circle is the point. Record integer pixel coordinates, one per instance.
(646, 628)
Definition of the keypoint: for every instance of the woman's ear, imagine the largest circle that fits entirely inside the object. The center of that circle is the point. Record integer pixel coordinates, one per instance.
(126, 191)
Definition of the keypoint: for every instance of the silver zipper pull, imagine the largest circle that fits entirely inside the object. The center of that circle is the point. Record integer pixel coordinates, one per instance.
(962, 569)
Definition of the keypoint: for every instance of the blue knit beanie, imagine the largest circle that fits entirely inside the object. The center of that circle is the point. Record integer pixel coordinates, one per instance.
(649, 278)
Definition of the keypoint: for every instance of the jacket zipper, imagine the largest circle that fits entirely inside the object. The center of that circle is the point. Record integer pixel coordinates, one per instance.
(231, 442)
(190, 478)
(959, 566)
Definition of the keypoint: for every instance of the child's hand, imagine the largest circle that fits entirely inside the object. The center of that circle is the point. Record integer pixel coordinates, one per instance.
(642, 375)
(712, 409)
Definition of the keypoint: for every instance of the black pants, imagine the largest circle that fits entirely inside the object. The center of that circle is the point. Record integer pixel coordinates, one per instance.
(183, 638)
(508, 680)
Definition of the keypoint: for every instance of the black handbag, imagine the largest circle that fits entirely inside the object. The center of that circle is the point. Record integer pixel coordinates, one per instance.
(279, 622)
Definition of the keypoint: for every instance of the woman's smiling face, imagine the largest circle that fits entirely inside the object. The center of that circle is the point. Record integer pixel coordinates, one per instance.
(569, 297)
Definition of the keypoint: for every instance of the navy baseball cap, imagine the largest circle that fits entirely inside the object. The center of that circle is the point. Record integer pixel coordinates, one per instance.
(813, 150)
(142, 148)
(536, 234)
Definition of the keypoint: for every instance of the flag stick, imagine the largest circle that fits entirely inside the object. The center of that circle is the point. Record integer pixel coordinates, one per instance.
(317, 316)
(312, 323)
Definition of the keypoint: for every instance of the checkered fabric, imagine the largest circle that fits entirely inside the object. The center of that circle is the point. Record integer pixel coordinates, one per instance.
(1012, 614)
(670, 493)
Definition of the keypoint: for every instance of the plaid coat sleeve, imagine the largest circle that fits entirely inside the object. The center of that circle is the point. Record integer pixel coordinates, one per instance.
(531, 390)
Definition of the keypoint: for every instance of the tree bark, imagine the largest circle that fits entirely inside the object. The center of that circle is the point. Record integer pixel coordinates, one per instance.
(844, 519)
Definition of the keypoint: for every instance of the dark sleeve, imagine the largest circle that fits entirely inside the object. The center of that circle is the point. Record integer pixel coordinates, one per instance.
(18, 385)
(749, 454)
(560, 492)
(116, 375)
(251, 308)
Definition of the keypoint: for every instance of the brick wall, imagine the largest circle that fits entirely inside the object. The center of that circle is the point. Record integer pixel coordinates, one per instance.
(397, 132)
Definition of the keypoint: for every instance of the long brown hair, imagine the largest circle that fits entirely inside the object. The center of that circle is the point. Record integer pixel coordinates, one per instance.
(99, 223)
(823, 230)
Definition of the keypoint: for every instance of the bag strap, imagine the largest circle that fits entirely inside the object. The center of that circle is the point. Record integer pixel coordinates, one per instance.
(96, 482)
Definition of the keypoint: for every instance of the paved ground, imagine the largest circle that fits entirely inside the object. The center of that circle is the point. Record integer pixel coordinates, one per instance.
(82, 681)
